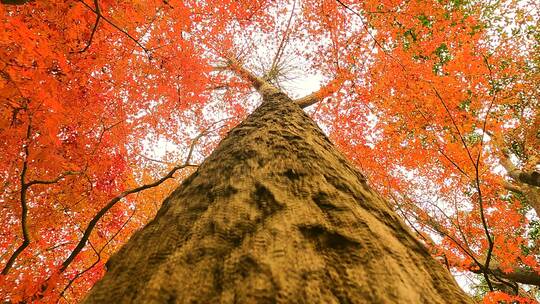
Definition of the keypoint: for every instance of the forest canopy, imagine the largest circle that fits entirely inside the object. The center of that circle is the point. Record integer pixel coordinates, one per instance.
(106, 105)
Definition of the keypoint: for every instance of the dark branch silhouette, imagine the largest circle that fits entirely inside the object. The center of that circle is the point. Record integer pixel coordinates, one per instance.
(98, 17)
(92, 224)
(98, 13)
(98, 254)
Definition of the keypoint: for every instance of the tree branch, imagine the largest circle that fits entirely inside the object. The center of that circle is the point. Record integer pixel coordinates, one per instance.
(366, 27)
(518, 275)
(479, 190)
(529, 178)
(93, 222)
(325, 91)
(454, 123)
(98, 17)
(274, 66)
(438, 146)
(25, 186)
(24, 206)
(52, 181)
(98, 253)
(261, 85)
(511, 187)
(235, 65)
(16, 2)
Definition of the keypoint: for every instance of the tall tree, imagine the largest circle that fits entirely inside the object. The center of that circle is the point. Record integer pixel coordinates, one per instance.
(105, 105)
(275, 214)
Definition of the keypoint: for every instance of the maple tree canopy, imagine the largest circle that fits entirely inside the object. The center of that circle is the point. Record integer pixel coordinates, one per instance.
(106, 104)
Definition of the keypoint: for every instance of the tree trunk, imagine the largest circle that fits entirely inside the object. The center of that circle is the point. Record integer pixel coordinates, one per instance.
(275, 215)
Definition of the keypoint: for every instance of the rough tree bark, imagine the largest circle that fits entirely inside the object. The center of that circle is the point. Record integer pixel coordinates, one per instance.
(275, 215)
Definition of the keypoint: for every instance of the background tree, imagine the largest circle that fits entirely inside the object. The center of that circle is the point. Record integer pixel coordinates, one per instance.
(436, 102)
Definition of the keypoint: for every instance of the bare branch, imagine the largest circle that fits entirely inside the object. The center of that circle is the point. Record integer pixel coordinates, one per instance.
(98, 253)
(52, 181)
(454, 123)
(435, 226)
(366, 27)
(477, 182)
(92, 224)
(24, 205)
(99, 14)
(234, 65)
(112, 203)
(438, 146)
(308, 100)
(96, 23)
(25, 186)
(511, 187)
(153, 159)
(281, 48)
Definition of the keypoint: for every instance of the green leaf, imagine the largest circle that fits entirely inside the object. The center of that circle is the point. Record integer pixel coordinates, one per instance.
(425, 21)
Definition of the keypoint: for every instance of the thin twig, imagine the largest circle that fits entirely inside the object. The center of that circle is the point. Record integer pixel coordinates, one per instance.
(478, 188)
(98, 253)
(98, 13)
(439, 147)
(366, 27)
(154, 160)
(454, 123)
(53, 181)
(282, 44)
(96, 23)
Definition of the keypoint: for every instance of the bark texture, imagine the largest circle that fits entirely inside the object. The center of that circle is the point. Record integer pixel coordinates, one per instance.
(275, 215)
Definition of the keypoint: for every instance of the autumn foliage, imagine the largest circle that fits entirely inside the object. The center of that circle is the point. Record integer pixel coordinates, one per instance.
(435, 101)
